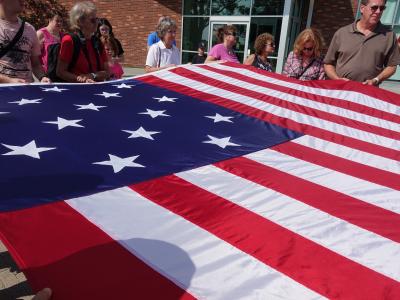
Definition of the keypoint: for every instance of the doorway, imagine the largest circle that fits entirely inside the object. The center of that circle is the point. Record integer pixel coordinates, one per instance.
(242, 36)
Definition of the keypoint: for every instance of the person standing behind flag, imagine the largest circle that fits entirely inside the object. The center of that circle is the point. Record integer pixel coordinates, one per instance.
(305, 62)
(112, 46)
(164, 53)
(51, 34)
(365, 51)
(153, 36)
(224, 50)
(20, 49)
(264, 46)
(91, 64)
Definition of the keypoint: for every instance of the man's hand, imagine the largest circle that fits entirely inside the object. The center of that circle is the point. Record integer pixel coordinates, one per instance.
(373, 81)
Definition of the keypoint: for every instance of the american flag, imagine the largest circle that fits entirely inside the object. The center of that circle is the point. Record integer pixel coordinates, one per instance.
(211, 181)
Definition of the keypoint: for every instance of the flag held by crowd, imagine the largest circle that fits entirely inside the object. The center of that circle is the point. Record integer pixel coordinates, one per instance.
(215, 181)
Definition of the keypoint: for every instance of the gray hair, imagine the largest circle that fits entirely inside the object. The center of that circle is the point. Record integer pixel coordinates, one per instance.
(164, 25)
(79, 11)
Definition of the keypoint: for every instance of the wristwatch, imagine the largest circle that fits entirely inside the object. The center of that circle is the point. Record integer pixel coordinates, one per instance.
(94, 75)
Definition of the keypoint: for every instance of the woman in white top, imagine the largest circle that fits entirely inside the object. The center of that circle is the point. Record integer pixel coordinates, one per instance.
(163, 54)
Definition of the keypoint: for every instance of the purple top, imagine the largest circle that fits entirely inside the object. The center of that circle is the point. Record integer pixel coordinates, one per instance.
(219, 52)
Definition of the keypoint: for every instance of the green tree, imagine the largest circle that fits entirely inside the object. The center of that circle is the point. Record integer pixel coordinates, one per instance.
(38, 12)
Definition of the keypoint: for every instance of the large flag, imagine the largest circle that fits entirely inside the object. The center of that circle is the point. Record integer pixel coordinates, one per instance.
(212, 182)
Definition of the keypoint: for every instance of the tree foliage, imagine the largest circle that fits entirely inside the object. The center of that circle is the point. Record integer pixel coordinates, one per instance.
(38, 12)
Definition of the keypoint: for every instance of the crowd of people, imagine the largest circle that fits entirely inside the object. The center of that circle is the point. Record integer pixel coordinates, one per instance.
(365, 51)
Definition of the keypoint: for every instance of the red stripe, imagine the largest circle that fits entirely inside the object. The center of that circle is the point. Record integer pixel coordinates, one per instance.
(383, 222)
(286, 123)
(339, 164)
(64, 251)
(314, 266)
(363, 109)
(289, 105)
(342, 85)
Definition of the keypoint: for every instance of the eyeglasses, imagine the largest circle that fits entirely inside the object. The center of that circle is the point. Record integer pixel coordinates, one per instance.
(374, 8)
(308, 49)
(270, 44)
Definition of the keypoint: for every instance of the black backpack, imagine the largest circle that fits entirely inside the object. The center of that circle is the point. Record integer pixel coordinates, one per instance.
(54, 50)
(52, 57)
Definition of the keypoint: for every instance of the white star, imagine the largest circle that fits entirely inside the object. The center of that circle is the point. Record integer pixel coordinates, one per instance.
(90, 106)
(54, 89)
(62, 123)
(29, 149)
(165, 99)
(118, 163)
(218, 118)
(222, 142)
(108, 95)
(123, 86)
(154, 113)
(141, 132)
(24, 101)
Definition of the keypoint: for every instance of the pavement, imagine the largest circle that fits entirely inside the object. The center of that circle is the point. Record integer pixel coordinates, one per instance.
(13, 283)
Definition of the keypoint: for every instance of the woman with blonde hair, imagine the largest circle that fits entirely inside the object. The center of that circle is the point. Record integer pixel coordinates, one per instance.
(224, 50)
(264, 46)
(305, 62)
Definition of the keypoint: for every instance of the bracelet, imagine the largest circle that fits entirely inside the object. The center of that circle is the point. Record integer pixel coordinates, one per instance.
(376, 79)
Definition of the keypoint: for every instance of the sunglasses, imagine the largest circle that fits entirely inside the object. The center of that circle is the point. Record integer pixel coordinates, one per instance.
(374, 8)
(308, 49)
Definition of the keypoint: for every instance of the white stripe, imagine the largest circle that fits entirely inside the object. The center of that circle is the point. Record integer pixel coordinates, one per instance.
(282, 112)
(361, 157)
(196, 260)
(355, 243)
(363, 190)
(335, 110)
(350, 96)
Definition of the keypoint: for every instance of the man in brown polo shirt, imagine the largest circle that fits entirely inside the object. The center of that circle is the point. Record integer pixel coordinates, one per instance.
(364, 51)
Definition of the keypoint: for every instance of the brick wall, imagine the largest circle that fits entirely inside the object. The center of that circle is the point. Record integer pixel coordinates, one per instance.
(330, 15)
(133, 20)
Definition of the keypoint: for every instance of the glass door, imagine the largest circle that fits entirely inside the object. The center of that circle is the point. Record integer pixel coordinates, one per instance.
(241, 37)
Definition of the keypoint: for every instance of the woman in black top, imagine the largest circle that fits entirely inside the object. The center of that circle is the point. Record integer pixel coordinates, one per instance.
(264, 46)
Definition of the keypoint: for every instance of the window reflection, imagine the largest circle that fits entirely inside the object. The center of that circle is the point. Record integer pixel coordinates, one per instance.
(196, 7)
(195, 30)
(230, 7)
(260, 25)
(268, 7)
